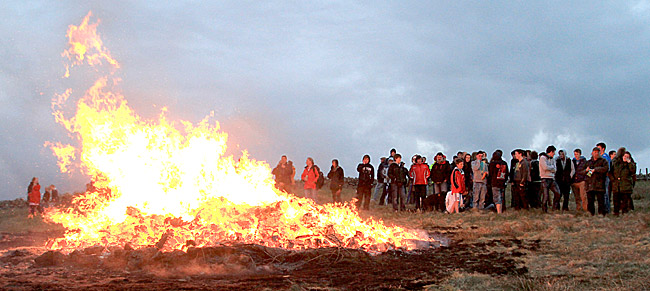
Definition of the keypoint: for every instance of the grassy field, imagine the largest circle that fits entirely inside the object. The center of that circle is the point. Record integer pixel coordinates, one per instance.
(576, 251)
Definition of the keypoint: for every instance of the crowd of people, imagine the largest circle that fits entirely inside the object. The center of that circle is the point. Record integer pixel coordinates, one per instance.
(38, 202)
(472, 182)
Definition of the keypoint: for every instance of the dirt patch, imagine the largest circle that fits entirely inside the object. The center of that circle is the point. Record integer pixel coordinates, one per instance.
(245, 267)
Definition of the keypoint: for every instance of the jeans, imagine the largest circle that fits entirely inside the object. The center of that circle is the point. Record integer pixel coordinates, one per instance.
(419, 193)
(480, 190)
(580, 192)
(363, 197)
(565, 191)
(440, 194)
(519, 195)
(593, 195)
(398, 191)
(532, 195)
(379, 187)
(311, 193)
(549, 185)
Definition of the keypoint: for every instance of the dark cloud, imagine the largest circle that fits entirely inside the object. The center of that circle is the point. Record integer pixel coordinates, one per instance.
(339, 80)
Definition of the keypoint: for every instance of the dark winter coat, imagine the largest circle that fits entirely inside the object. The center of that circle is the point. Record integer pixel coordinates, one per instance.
(283, 174)
(397, 174)
(600, 168)
(440, 172)
(534, 171)
(366, 175)
(580, 166)
(621, 176)
(563, 173)
(336, 178)
(494, 168)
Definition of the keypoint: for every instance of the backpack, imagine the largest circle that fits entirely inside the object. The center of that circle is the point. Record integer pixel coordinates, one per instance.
(501, 175)
(321, 178)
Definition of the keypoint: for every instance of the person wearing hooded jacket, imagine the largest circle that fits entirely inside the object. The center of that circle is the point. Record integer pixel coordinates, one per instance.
(498, 174)
(336, 177)
(366, 179)
(440, 175)
(621, 176)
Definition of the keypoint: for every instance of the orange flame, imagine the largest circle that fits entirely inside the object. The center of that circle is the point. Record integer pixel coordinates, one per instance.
(170, 183)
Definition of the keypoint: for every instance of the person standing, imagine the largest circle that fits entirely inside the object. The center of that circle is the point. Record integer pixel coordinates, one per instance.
(480, 170)
(597, 168)
(419, 175)
(34, 199)
(310, 176)
(532, 193)
(469, 180)
(440, 175)
(336, 177)
(380, 189)
(387, 195)
(520, 178)
(291, 187)
(564, 177)
(603, 147)
(458, 189)
(498, 173)
(31, 185)
(396, 174)
(547, 171)
(578, 186)
(282, 173)
(366, 179)
(513, 165)
(621, 175)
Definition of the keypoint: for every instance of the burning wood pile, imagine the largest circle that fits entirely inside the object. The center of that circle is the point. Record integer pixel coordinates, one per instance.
(170, 185)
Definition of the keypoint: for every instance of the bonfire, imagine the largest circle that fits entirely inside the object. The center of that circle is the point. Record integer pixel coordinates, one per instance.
(170, 185)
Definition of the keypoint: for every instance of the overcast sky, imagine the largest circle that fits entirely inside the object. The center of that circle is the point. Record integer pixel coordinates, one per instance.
(341, 79)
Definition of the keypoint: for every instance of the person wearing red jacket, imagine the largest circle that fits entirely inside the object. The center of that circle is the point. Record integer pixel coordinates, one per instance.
(419, 174)
(457, 187)
(34, 200)
(310, 176)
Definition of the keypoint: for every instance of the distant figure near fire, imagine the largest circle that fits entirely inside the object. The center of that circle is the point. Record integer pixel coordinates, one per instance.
(336, 177)
(35, 200)
(282, 173)
(366, 179)
(310, 176)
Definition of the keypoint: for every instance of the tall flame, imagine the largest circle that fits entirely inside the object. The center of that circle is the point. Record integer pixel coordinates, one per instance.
(170, 183)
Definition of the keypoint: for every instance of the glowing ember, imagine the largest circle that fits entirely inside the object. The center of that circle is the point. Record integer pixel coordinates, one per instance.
(170, 184)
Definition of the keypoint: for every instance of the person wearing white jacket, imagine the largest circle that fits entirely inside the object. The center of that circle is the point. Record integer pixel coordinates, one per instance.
(547, 171)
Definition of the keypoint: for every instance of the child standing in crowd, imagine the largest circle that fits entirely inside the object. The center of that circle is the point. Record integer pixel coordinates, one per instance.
(366, 179)
(336, 177)
(457, 187)
(419, 174)
(310, 176)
